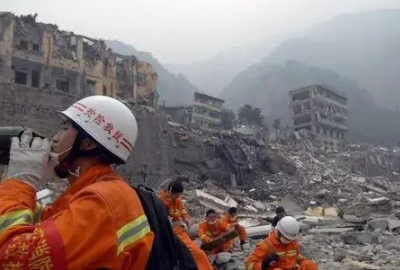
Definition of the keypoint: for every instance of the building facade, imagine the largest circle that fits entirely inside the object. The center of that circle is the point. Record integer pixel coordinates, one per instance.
(41, 56)
(321, 110)
(206, 112)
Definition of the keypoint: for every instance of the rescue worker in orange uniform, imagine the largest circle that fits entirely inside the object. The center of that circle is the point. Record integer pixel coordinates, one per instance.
(98, 222)
(211, 229)
(178, 214)
(280, 250)
(230, 219)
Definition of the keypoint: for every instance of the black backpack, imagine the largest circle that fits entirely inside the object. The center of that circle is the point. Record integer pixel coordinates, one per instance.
(168, 252)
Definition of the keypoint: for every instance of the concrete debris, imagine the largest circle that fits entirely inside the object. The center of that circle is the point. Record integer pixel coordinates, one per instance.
(378, 224)
(393, 225)
(214, 202)
(329, 230)
(45, 196)
(378, 201)
(320, 211)
(360, 265)
(259, 231)
(249, 222)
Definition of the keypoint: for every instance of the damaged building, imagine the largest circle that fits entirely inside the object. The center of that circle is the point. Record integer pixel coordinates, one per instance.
(322, 111)
(39, 55)
(207, 112)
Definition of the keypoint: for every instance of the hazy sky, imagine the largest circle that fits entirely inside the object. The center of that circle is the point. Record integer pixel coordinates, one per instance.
(183, 31)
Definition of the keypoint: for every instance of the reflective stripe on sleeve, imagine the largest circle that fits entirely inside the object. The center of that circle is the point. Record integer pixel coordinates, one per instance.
(132, 232)
(20, 217)
(37, 213)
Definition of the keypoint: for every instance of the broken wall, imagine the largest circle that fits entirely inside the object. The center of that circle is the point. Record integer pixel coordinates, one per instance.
(152, 157)
(27, 36)
(6, 37)
(146, 79)
(31, 107)
(126, 73)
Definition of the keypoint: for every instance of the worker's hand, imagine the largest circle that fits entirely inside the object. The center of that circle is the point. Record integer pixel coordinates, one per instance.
(270, 260)
(29, 159)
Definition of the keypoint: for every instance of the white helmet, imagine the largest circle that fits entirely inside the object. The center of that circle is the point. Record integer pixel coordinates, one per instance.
(289, 227)
(106, 120)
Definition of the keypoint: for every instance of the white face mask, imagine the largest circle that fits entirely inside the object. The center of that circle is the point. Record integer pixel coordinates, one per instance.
(212, 222)
(54, 160)
(284, 240)
(57, 155)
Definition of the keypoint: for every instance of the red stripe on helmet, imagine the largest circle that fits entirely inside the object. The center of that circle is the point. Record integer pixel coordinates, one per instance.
(126, 146)
(78, 108)
(80, 104)
(127, 142)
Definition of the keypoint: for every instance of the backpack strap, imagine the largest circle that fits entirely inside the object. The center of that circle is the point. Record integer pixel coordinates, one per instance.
(156, 213)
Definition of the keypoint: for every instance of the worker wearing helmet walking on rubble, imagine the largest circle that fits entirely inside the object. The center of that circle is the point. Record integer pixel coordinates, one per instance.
(280, 213)
(98, 222)
(179, 217)
(230, 219)
(280, 250)
(211, 228)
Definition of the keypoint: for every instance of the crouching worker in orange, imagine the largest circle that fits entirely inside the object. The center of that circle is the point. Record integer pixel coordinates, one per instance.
(99, 221)
(230, 218)
(280, 250)
(180, 217)
(211, 229)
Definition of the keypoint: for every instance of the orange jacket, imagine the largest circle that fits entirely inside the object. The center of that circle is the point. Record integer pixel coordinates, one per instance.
(176, 209)
(289, 254)
(229, 220)
(232, 222)
(208, 232)
(97, 223)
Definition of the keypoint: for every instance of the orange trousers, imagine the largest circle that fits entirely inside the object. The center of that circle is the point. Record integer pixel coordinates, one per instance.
(242, 237)
(199, 256)
(305, 265)
(242, 233)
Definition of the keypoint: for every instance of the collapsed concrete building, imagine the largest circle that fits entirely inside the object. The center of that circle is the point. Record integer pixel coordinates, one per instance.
(179, 114)
(39, 55)
(322, 111)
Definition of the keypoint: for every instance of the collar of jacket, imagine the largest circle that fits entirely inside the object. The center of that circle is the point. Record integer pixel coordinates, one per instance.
(89, 177)
(92, 175)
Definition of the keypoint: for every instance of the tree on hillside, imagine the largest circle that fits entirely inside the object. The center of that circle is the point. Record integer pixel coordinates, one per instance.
(249, 115)
(228, 118)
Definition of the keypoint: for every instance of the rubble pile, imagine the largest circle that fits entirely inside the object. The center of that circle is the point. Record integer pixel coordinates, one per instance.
(346, 200)
(310, 175)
